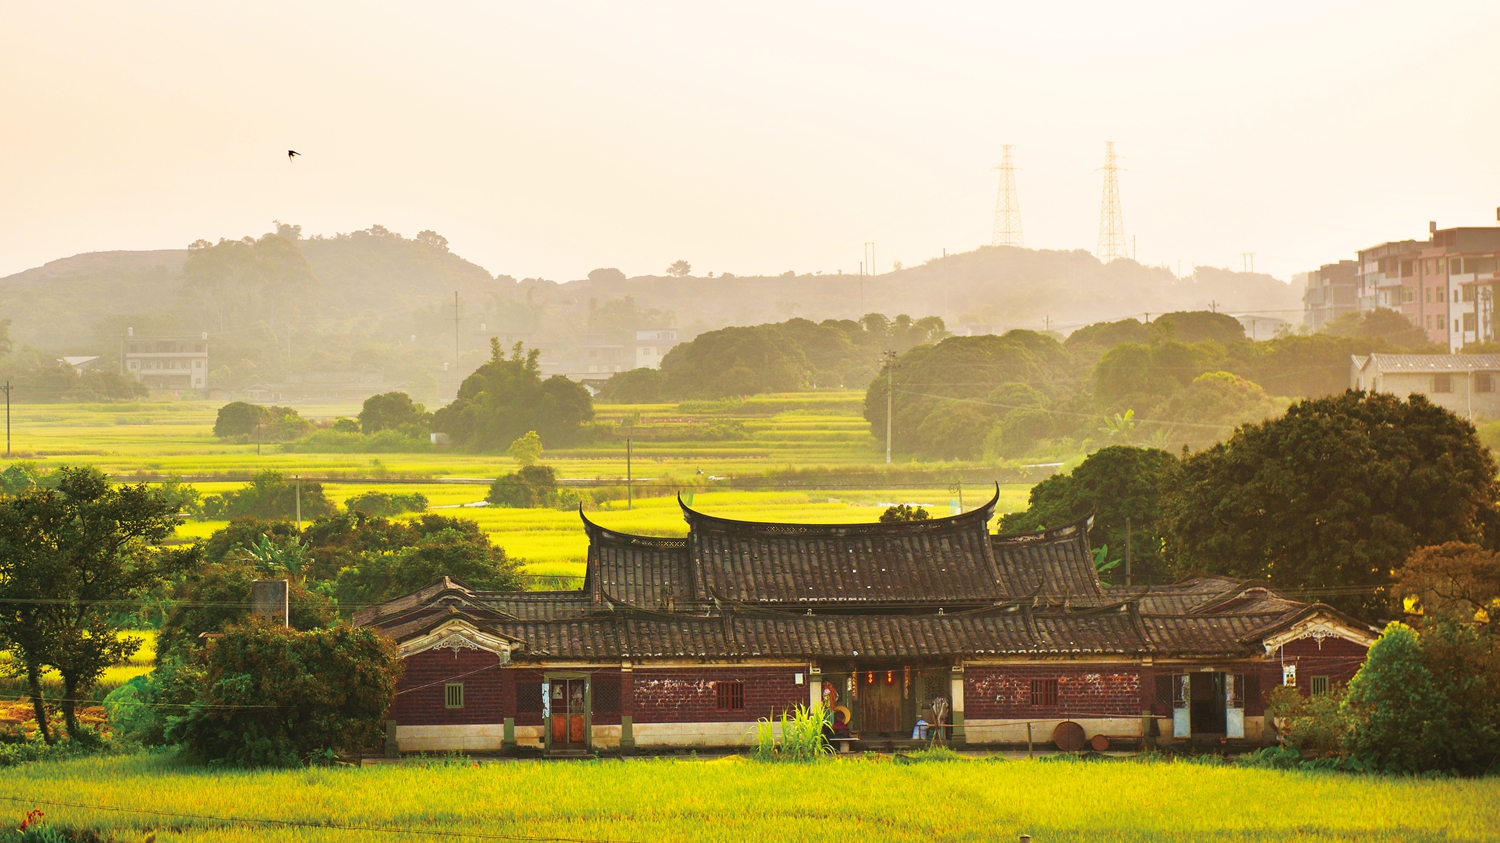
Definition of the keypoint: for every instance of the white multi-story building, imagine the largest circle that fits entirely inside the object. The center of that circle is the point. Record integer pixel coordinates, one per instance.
(652, 346)
(166, 363)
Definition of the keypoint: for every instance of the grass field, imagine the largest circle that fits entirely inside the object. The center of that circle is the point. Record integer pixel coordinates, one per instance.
(176, 437)
(800, 430)
(734, 800)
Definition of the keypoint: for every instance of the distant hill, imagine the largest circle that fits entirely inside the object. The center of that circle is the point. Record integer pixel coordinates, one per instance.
(378, 301)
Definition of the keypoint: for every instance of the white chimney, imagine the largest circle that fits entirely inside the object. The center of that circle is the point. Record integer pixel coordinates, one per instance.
(129, 332)
(205, 335)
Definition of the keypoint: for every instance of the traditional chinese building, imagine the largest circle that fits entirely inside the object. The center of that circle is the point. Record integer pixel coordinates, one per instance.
(686, 642)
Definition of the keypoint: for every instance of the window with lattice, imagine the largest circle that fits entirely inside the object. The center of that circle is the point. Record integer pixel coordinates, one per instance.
(453, 695)
(1044, 693)
(1318, 685)
(605, 689)
(730, 695)
(529, 697)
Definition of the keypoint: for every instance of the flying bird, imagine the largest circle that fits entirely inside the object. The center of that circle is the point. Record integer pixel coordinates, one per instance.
(290, 153)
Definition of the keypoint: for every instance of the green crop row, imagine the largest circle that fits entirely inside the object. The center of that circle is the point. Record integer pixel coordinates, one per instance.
(734, 799)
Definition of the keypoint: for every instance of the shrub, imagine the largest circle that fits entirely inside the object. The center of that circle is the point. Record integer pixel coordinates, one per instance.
(273, 696)
(531, 486)
(1392, 704)
(270, 495)
(1315, 724)
(903, 512)
(384, 504)
(465, 556)
(217, 596)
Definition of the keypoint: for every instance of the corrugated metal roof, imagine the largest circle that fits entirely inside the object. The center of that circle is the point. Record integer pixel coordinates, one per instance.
(1434, 362)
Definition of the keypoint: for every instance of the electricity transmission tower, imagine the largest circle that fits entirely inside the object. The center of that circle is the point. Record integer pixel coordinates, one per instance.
(1007, 209)
(1111, 225)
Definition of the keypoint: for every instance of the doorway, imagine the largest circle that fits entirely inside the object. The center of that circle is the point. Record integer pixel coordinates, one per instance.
(567, 713)
(880, 703)
(1207, 703)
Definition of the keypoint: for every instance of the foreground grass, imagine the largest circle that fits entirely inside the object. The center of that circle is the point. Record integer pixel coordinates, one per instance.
(735, 800)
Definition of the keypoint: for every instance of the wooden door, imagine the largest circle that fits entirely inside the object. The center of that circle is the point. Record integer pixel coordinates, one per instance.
(881, 705)
(569, 703)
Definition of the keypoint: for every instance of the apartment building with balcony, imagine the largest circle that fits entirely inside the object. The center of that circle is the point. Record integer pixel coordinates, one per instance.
(1331, 291)
(1465, 262)
(166, 363)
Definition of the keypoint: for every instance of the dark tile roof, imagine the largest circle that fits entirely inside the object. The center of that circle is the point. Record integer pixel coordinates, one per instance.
(641, 571)
(587, 638)
(938, 589)
(943, 560)
(1055, 566)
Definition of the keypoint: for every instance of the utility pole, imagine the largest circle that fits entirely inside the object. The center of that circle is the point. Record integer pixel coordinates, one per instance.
(1247, 261)
(629, 478)
(1007, 208)
(1213, 307)
(890, 394)
(298, 478)
(1047, 322)
(1111, 221)
(7, 419)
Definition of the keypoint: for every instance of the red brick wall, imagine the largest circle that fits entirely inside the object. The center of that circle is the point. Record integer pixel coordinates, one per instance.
(1269, 676)
(1336, 658)
(419, 694)
(529, 682)
(688, 695)
(1005, 692)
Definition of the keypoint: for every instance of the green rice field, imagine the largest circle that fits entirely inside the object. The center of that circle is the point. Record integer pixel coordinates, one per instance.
(796, 431)
(176, 437)
(732, 800)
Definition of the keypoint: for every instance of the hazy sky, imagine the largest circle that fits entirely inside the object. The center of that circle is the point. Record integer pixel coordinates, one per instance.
(550, 139)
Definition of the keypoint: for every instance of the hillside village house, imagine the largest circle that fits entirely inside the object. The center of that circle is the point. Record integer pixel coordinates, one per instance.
(166, 363)
(685, 642)
(1462, 383)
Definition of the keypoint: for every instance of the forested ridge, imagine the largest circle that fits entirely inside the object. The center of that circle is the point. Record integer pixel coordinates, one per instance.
(283, 303)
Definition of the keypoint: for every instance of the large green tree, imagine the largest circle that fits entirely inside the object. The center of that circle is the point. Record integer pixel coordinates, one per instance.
(950, 396)
(68, 557)
(735, 361)
(1333, 496)
(273, 696)
(391, 411)
(1115, 484)
(506, 397)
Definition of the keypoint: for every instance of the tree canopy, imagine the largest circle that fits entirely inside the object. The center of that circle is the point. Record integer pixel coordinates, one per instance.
(273, 696)
(1114, 484)
(734, 361)
(950, 396)
(506, 397)
(68, 556)
(392, 411)
(1334, 494)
